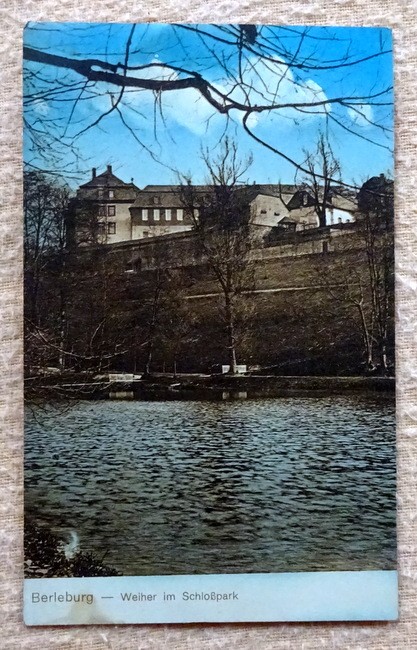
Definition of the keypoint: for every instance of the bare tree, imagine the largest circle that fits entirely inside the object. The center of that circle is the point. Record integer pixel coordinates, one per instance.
(323, 171)
(375, 225)
(224, 237)
(179, 322)
(85, 226)
(258, 69)
(359, 275)
(75, 311)
(45, 244)
(45, 208)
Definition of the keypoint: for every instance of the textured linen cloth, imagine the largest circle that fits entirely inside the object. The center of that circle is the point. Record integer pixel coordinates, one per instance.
(401, 16)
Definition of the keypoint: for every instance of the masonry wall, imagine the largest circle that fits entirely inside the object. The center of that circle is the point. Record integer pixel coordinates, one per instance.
(180, 249)
(298, 320)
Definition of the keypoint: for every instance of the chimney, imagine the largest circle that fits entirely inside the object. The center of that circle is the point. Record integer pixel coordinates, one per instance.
(109, 169)
(94, 172)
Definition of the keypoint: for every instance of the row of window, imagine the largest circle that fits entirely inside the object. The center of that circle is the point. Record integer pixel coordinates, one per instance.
(108, 228)
(107, 211)
(105, 194)
(162, 214)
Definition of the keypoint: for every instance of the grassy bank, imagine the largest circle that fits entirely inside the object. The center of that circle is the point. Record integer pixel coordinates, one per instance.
(45, 557)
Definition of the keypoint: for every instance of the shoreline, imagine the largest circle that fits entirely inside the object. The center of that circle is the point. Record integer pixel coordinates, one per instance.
(208, 387)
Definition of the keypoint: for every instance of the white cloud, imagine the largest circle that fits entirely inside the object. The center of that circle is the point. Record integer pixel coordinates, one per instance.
(361, 115)
(275, 84)
(41, 107)
(269, 84)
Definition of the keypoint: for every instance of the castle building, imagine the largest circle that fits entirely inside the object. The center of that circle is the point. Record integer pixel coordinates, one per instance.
(107, 210)
(158, 210)
(101, 209)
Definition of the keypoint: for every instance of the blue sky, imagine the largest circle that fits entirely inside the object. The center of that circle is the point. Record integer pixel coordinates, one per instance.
(166, 134)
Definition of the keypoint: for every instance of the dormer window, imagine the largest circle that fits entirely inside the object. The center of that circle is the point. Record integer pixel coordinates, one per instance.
(156, 200)
(100, 193)
(111, 194)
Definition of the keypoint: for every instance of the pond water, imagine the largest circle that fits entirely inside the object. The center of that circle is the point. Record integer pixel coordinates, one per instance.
(289, 484)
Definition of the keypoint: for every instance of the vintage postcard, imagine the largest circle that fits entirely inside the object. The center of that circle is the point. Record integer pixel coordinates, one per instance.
(209, 324)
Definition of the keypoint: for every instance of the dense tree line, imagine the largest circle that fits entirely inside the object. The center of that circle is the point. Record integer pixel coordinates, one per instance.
(87, 311)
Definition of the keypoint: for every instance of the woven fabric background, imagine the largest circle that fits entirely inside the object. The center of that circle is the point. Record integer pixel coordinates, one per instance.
(402, 17)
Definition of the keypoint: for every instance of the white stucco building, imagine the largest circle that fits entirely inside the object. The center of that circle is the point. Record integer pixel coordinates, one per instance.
(108, 210)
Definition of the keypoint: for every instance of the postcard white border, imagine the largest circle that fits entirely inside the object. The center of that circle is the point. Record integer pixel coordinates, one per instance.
(257, 597)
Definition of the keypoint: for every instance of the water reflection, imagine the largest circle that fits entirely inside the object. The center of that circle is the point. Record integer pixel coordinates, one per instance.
(289, 484)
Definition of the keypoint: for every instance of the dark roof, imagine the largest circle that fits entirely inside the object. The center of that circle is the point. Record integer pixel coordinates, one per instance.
(168, 196)
(274, 189)
(122, 191)
(107, 179)
(261, 188)
(173, 188)
(156, 199)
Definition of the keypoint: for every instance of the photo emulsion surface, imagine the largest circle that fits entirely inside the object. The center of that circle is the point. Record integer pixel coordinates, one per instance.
(209, 324)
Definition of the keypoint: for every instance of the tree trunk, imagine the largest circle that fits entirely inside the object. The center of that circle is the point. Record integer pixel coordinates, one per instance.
(322, 218)
(231, 341)
(147, 370)
(366, 339)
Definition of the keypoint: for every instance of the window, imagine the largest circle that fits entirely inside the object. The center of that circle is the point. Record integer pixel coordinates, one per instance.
(101, 227)
(145, 234)
(196, 213)
(100, 193)
(168, 214)
(180, 215)
(156, 200)
(325, 247)
(111, 194)
(111, 211)
(304, 199)
(144, 214)
(102, 211)
(156, 214)
(111, 228)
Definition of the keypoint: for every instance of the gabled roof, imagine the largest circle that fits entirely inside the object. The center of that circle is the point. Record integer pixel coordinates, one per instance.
(107, 179)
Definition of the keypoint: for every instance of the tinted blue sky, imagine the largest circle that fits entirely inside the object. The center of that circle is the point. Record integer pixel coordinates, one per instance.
(167, 133)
